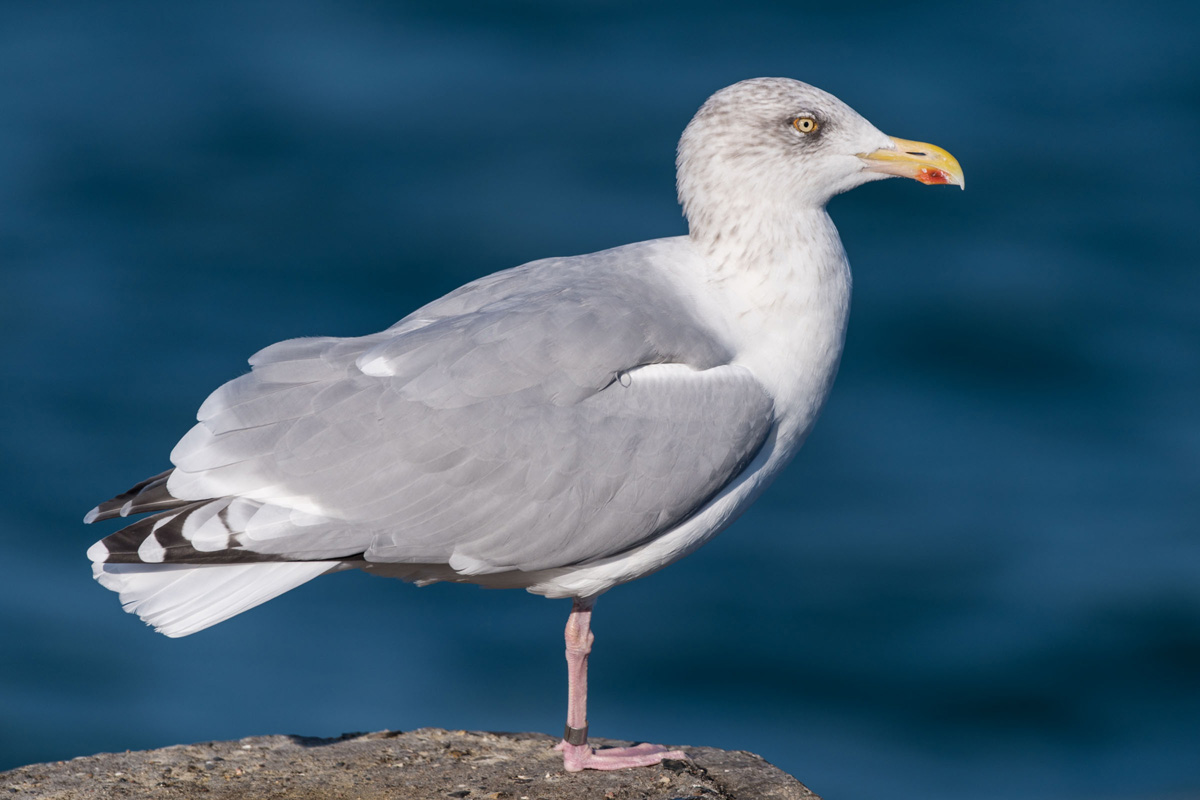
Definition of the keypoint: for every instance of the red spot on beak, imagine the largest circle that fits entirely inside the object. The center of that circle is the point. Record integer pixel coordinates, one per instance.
(930, 177)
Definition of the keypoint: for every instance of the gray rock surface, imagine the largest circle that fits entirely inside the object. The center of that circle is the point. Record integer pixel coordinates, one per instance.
(427, 763)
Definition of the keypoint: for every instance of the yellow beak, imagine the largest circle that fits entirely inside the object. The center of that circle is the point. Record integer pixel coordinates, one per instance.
(926, 163)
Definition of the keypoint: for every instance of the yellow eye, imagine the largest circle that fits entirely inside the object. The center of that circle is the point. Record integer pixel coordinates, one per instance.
(804, 124)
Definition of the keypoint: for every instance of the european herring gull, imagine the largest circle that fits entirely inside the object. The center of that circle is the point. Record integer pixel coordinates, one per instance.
(562, 427)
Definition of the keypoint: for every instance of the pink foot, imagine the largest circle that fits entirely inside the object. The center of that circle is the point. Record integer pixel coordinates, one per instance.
(577, 754)
(578, 757)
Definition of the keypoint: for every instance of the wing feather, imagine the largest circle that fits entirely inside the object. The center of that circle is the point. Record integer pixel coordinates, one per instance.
(555, 414)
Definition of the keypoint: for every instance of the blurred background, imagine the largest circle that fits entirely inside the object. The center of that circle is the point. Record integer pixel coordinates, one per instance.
(981, 576)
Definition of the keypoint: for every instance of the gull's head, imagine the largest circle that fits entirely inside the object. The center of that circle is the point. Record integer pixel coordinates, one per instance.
(770, 146)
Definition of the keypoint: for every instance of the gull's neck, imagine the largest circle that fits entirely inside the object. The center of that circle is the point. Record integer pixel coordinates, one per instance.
(783, 288)
(787, 246)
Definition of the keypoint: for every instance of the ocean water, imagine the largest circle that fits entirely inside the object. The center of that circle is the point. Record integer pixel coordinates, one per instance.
(980, 578)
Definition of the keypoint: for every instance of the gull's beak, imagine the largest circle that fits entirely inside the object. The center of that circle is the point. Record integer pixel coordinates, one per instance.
(926, 163)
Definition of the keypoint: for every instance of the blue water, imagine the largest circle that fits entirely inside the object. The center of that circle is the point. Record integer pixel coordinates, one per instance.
(981, 577)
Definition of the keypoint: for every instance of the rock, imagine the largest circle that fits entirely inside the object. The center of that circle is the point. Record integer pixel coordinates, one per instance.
(425, 764)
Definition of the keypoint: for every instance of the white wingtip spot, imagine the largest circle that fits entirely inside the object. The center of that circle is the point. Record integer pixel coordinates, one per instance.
(97, 553)
(151, 551)
(90, 517)
(204, 528)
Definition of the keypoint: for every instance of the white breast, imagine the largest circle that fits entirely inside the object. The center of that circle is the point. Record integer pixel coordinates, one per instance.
(784, 318)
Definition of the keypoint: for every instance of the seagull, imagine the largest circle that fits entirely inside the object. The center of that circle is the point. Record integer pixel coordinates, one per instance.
(564, 426)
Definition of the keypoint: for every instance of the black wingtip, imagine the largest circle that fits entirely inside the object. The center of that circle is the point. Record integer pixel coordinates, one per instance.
(149, 495)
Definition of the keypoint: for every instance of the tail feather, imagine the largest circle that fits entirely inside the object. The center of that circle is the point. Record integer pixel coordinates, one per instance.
(187, 566)
(180, 599)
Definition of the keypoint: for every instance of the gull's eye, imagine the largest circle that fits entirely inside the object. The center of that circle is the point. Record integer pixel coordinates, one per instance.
(805, 124)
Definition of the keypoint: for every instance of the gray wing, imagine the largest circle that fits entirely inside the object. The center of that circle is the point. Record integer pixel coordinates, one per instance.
(545, 416)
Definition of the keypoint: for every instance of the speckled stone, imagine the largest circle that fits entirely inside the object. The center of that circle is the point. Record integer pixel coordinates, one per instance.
(427, 763)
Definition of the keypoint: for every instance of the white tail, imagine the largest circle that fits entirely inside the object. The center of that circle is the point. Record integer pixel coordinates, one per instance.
(182, 599)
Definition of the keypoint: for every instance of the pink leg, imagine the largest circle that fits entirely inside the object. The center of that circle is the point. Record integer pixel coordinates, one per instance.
(577, 754)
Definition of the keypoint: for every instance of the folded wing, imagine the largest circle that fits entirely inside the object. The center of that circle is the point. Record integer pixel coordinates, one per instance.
(544, 417)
